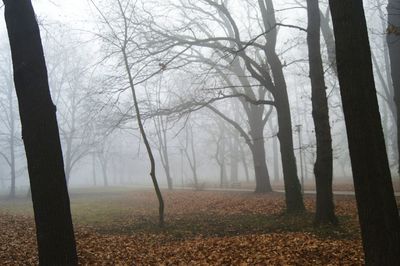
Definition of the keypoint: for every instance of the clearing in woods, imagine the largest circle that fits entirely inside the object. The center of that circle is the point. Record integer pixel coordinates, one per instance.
(119, 226)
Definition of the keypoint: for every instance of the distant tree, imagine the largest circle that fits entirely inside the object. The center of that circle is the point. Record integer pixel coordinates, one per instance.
(377, 210)
(323, 168)
(9, 132)
(122, 44)
(189, 150)
(393, 41)
(161, 128)
(260, 60)
(55, 235)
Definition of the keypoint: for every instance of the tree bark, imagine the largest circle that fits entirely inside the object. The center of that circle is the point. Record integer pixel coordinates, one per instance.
(377, 210)
(55, 235)
(263, 183)
(393, 41)
(325, 209)
(293, 196)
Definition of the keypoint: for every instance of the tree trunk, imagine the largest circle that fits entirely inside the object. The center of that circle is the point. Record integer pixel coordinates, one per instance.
(55, 235)
(257, 148)
(234, 161)
(12, 155)
(169, 178)
(234, 148)
(377, 210)
(393, 41)
(275, 152)
(94, 169)
(325, 209)
(104, 172)
(263, 184)
(244, 163)
(293, 196)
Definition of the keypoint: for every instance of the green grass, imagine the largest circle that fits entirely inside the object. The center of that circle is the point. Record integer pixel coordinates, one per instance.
(117, 213)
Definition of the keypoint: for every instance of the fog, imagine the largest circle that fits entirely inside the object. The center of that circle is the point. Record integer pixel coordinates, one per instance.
(94, 107)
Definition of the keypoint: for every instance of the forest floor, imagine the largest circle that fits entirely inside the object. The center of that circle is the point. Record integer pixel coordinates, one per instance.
(119, 227)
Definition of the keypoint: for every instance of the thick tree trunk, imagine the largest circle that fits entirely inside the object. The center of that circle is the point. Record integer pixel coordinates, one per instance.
(55, 235)
(325, 210)
(393, 41)
(377, 210)
(263, 184)
(257, 148)
(293, 196)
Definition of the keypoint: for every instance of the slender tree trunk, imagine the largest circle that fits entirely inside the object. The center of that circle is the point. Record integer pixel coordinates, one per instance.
(234, 161)
(393, 41)
(166, 161)
(234, 148)
(12, 148)
(169, 178)
(68, 166)
(293, 196)
(377, 210)
(104, 172)
(244, 163)
(55, 235)
(144, 136)
(275, 153)
(325, 209)
(94, 169)
(329, 39)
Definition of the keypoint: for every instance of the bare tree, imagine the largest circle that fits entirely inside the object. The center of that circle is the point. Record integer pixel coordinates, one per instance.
(377, 210)
(122, 40)
(9, 120)
(325, 210)
(267, 70)
(55, 235)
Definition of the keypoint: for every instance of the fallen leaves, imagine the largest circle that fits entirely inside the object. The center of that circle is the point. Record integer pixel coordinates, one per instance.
(237, 244)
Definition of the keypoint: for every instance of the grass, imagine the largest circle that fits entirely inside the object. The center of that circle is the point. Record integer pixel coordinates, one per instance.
(120, 212)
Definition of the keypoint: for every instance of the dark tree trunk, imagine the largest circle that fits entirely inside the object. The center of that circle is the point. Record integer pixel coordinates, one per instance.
(257, 148)
(329, 39)
(293, 196)
(263, 184)
(377, 210)
(393, 41)
(325, 210)
(55, 235)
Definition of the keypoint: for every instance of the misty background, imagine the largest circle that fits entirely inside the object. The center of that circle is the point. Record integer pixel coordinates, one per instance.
(100, 137)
